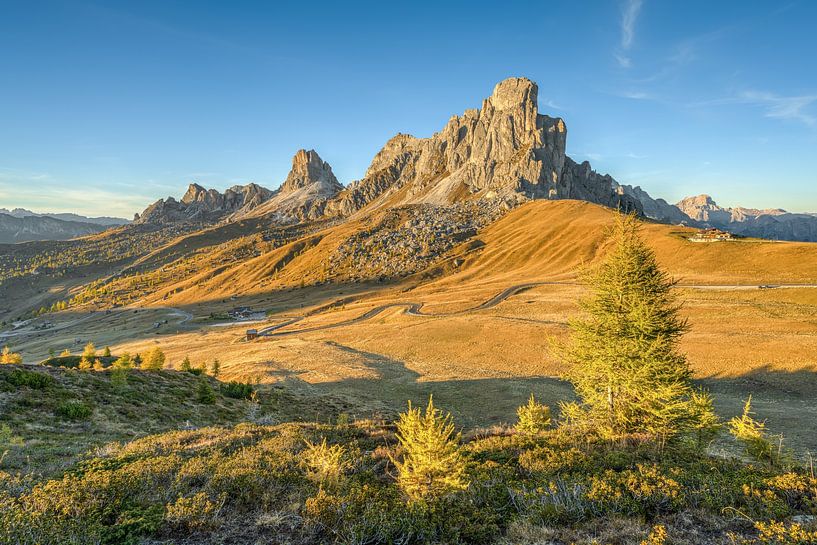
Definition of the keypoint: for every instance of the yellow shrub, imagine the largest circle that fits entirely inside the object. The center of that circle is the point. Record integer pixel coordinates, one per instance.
(533, 417)
(325, 464)
(195, 512)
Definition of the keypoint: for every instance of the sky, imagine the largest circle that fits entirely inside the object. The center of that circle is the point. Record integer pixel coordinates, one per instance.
(106, 107)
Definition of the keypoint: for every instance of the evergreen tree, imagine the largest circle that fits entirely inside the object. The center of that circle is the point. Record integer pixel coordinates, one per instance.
(89, 352)
(215, 368)
(186, 365)
(154, 360)
(107, 352)
(432, 464)
(623, 353)
(204, 392)
(533, 417)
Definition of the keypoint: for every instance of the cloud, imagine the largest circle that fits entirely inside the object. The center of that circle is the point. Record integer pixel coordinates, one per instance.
(793, 108)
(629, 16)
(634, 95)
(780, 107)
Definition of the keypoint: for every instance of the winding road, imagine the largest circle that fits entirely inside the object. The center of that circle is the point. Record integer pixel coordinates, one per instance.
(415, 309)
(412, 309)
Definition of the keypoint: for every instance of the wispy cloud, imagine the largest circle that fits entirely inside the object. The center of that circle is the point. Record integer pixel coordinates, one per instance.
(793, 108)
(629, 17)
(781, 107)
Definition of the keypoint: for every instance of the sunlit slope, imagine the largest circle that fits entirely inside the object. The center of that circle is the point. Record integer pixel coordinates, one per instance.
(549, 240)
(539, 241)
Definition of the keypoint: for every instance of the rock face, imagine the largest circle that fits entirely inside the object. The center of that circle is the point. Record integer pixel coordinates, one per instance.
(772, 223)
(657, 209)
(33, 227)
(205, 205)
(304, 194)
(504, 150)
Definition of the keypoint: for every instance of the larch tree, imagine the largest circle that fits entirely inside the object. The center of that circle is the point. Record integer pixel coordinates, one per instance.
(623, 352)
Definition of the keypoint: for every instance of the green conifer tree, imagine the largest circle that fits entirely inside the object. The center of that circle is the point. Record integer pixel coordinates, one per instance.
(623, 353)
(433, 464)
(154, 359)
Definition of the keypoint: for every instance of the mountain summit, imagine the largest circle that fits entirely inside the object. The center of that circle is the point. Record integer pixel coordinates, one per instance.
(504, 150)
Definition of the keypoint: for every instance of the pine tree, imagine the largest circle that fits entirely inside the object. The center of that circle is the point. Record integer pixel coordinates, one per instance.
(154, 360)
(107, 352)
(215, 368)
(186, 365)
(623, 353)
(432, 464)
(89, 352)
(533, 417)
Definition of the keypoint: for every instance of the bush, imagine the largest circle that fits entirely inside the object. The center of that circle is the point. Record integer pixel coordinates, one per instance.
(193, 513)
(29, 379)
(533, 418)
(237, 390)
(752, 434)
(7, 356)
(205, 393)
(325, 465)
(432, 464)
(74, 410)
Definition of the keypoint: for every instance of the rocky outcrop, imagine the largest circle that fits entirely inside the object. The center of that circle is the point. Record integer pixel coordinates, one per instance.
(305, 192)
(771, 223)
(205, 205)
(504, 150)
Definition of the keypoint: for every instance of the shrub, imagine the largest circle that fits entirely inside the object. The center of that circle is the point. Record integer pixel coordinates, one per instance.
(645, 491)
(237, 390)
(205, 393)
(533, 418)
(432, 464)
(325, 465)
(196, 512)
(74, 410)
(777, 533)
(752, 434)
(657, 536)
(7, 356)
(30, 379)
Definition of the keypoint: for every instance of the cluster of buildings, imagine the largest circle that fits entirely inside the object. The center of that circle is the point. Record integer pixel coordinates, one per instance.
(711, 235)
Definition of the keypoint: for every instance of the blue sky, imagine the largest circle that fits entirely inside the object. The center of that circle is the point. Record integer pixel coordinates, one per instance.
(108, 106)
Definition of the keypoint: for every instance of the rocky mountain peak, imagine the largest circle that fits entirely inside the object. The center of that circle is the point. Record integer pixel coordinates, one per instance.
(193, 193)
(309, 169)
(514, 93)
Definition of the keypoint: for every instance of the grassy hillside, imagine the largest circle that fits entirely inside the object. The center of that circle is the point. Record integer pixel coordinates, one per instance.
(53, 415)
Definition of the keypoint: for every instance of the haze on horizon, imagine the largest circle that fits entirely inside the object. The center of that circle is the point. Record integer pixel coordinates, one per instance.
(108, 107)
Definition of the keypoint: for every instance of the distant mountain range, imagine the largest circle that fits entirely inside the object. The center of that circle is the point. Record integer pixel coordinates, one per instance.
(502, 154)
(21, 225)
(104, 220)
